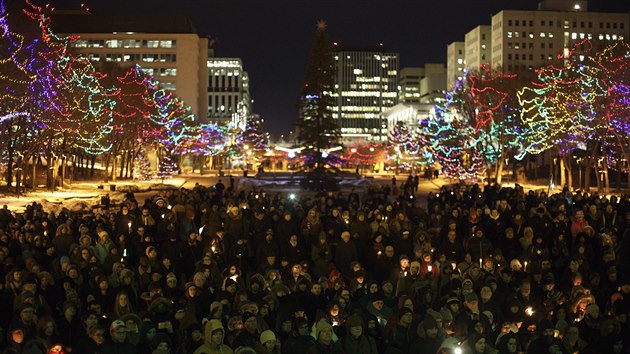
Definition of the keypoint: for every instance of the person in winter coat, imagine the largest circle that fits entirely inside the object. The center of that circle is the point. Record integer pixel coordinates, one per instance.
(355, 341)
(214, 333)
(324, 339)
(345, 254)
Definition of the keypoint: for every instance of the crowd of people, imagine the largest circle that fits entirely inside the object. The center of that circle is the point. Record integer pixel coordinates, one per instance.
(218, 270)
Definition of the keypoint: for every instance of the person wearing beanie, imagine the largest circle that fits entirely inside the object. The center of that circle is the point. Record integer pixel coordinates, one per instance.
(507, 343)
(323, 339)
(399, 339)
(356, 341)
(299, 340)
(545, 342)
(429, 338)
(249, 336)
(477, 344)
(377, 308)
(214, 333)
(412, 281)
(118, 341)
(268, 343)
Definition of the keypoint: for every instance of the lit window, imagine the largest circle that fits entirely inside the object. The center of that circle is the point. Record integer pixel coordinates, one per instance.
(167, 44)
(573, 35)
(357, 71)
(113, 43)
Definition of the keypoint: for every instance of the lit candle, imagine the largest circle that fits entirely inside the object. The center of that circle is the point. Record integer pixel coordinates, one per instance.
(201, 229)
(129, 224)
(525, 266)
(480, 262)
(430, 268)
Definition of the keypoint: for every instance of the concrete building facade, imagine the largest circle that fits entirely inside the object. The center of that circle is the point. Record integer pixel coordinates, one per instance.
(229, 100)
(478, 46)
(366, 84)
(166, 46)
(455, 63)
(523, 40)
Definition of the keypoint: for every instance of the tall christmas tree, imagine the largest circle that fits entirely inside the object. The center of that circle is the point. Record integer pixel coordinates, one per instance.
(141, 166)
(317, 129)
(167, 167)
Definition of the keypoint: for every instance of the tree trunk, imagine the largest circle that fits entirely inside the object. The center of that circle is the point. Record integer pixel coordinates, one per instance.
(606, 178)
(93, 162)
(499, 168)
(63, 170)
(563, 179)
(618, 175)
(123, 162)
(114, 165)
(10, 154)
(587, 174)
(569, 167)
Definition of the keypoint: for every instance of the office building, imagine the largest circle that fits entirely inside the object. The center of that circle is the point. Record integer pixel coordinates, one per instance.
(478, 47)
(455, 63)
(409, 91)
(366, 84)
(166, 46)
(228, 92)
(523, 40)
(433, 83)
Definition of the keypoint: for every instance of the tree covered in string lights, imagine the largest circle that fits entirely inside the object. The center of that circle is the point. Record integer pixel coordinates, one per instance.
(253, 140)
(452, 134)
(141, 166)
(405, 145)
(495, 118)
(27, 91)
(316, 127)
(167, 166)
(612, 67)
(58, 104)
(559, 110)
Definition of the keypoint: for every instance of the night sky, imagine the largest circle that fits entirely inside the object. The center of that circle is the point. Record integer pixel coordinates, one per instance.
(273, 37)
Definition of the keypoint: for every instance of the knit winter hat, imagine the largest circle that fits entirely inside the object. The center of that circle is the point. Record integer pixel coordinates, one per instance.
(322, 325)
(266, 336)
(354, 321)
(429, 323)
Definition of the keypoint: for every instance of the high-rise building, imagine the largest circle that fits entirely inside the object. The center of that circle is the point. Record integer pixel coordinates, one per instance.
(433, 83)
(422, 84)
(166, 46)
(455, 62)
(409, 91)
(522, 40)
(478, 47)
(366, 84)
(228, 92)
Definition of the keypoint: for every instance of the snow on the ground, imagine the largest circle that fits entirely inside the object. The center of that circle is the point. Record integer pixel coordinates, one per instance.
(83, 195)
